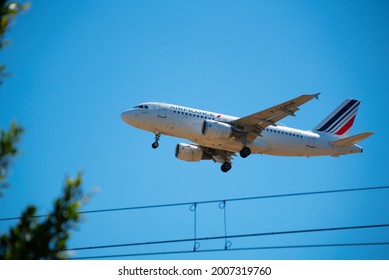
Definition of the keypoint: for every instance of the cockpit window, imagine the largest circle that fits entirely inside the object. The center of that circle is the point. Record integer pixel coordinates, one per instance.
(142, 106)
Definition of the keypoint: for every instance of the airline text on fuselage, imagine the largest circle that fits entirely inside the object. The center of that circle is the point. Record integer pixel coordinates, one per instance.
(188, 110)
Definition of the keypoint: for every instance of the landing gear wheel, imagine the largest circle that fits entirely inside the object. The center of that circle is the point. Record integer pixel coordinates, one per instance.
(155, 144)
(226, 167)
(245, 152)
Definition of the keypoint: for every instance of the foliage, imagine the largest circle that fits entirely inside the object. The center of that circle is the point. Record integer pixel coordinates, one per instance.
(35, 237)
(8, 150)
(32, 239)
(8, 140)
(8, 11)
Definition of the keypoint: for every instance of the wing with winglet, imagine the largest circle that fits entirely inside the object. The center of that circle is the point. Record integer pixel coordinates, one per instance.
(255, 123)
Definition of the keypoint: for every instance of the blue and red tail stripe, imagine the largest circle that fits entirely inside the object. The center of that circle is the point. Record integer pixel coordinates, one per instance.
(342, 119)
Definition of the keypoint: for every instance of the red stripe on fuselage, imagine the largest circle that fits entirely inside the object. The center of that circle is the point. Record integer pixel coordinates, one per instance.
(346, 126)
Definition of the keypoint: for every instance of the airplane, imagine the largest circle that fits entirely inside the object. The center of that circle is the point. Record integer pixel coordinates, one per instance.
(219, 137)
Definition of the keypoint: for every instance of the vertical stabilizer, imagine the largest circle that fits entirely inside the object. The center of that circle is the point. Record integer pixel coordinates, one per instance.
(340, 121)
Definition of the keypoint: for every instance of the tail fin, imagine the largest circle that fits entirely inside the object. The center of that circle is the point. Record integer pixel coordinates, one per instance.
(340, 121)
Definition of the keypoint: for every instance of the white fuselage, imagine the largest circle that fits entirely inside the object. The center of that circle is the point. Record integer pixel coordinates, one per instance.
(184, 122)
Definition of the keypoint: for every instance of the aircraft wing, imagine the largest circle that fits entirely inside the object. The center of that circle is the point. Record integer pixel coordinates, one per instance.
(257, 122)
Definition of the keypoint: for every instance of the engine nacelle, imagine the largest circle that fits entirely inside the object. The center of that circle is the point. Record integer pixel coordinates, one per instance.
(189, 152)
(216, 130)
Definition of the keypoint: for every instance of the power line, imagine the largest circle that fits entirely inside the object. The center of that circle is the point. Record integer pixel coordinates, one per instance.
(229, 237)
(214, 201)
(233, 199)
(236, 249)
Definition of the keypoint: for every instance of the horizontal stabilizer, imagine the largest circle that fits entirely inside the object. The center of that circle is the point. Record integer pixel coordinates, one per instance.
(349, 141)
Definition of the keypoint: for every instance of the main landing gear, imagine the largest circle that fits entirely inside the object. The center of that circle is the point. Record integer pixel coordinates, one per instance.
(156, 144)
(226, 158)
(226, 166)
(245, 152)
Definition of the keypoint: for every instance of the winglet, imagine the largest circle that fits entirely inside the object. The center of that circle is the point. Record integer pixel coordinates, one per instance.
(316, 95)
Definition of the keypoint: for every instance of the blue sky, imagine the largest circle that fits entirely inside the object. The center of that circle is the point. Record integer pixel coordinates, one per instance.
(76, 66)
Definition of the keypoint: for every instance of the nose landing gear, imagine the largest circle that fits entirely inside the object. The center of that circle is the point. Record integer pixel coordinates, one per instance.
(156, 144)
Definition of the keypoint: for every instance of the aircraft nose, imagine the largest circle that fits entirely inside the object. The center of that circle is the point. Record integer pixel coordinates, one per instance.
(128, 116)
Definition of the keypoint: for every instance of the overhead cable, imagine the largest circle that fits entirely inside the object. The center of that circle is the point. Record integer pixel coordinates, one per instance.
(229, 237)
(303, 246)
(214, 201)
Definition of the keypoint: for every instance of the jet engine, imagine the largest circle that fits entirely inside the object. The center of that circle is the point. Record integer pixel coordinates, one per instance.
(216, 130)
(189, 152)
